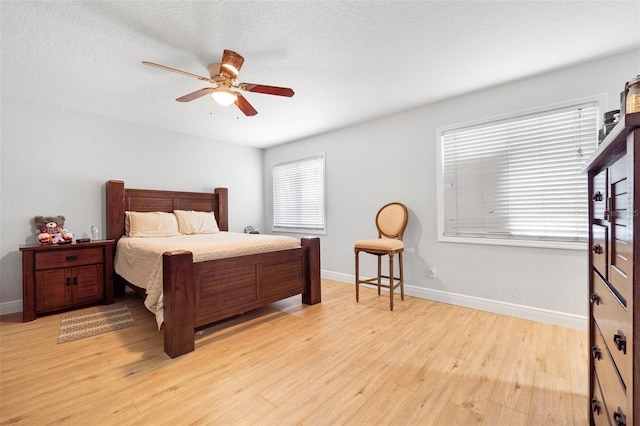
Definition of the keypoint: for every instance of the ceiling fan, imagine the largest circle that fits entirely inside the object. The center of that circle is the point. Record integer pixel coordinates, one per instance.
(223, 77)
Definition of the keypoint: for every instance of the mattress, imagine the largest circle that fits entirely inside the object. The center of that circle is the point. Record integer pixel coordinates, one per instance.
(139, 260)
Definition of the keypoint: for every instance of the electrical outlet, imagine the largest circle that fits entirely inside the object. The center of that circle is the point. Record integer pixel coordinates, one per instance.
(431, 273)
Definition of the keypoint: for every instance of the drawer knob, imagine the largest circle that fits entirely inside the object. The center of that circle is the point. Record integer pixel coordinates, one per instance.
(595, 298)
(595, 406)
(619, 418)
(597, 354)
(597, 196)
(620, 341)
(71, 258)
(597, 249)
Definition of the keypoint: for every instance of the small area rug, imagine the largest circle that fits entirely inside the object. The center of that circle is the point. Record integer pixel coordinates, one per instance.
(95, 321)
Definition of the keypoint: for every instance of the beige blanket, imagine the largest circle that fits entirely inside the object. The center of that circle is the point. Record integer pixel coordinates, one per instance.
(139, 260)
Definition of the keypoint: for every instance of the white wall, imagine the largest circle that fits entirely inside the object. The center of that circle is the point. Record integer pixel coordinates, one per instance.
(56, 161)
(394, 159)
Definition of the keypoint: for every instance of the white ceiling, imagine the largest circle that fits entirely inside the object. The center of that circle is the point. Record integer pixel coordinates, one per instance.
(347, 61)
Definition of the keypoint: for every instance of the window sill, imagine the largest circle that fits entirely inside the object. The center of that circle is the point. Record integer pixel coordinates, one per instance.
(563, 245)
(298, 231)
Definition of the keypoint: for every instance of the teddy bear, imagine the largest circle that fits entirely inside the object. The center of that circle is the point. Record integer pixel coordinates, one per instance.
(51, 230)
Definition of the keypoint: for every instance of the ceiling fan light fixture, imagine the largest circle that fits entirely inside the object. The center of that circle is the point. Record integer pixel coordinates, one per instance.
(223, 96)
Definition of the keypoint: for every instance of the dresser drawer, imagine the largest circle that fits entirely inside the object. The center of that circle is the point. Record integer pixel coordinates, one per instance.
(614, 322)
(64, 258)
(599, 249)
(598, 406)
(613, 392)
(599, 195)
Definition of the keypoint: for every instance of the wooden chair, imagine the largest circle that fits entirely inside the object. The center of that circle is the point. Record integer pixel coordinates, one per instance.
(391, 222)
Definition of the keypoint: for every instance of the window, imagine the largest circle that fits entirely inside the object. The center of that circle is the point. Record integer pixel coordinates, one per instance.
(298, 195)
(518, 180)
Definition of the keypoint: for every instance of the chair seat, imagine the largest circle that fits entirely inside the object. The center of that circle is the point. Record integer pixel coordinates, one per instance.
(379, 244)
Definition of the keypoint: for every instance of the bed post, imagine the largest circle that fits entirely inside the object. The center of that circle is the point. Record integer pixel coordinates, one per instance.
(223, 209)
(115, 209)
(115, 225)
(179, 303)
(311, 291)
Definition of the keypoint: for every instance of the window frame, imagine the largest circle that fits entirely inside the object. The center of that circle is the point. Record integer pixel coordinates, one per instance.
(599, 100)
(300, 230)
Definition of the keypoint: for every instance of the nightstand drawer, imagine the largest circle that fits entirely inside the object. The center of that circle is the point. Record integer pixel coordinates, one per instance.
(64, 258)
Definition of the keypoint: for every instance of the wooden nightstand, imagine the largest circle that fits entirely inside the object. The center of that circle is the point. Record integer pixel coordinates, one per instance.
(62, 276)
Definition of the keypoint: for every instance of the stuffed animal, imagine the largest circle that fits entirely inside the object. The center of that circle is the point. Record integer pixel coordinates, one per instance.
(51, 230)
(67, 235)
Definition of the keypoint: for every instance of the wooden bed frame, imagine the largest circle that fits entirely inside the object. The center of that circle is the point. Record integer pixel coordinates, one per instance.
(198, 294)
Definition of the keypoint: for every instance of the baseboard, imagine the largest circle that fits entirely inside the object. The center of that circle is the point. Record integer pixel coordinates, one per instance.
(561, 319)
(11, 307)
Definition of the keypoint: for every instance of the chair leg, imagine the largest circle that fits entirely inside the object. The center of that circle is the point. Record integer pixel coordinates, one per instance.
(379, 273)
(391, 281)
(401, 276)
(357, 276)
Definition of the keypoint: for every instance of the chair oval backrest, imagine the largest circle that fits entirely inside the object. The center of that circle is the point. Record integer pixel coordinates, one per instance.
(391, 220)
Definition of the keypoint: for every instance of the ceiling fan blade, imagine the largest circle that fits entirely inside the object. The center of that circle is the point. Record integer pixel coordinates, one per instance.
(188, 74)
(267, 90)
(244, 105)
(231, 64)
(194, 95)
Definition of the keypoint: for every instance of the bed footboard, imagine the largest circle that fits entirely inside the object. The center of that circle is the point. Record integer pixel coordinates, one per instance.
(192, 299)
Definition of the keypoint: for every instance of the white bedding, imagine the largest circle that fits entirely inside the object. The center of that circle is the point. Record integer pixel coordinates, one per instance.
(139, 260)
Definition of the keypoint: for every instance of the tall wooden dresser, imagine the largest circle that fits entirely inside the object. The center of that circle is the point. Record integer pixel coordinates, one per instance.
(614, 268)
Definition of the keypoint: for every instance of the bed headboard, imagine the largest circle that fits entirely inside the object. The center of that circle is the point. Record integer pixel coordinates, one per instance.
(121, 199)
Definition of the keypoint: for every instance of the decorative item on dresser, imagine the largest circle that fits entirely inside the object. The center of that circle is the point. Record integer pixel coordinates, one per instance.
(614, 269)
(56, 277)
(196, 294)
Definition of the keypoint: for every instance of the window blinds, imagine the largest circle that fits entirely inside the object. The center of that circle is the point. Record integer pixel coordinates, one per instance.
(298, 194)
(520, 178)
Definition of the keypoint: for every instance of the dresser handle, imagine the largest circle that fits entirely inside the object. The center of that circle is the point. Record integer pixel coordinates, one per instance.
(595, 298)
(71, 258)
(597, 249)
(597, 354)
(75, 280)
(619, 417)
(597, 196)
(68, 282)
(595, 406)
(620, 341)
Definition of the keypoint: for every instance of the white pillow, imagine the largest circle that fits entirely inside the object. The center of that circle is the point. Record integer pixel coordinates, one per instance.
(193, 222)
(151, 224)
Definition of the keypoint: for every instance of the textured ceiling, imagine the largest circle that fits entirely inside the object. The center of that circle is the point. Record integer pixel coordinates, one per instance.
(347, 61)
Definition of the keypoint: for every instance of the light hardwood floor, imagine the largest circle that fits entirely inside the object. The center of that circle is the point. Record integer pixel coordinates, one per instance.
(338, 362)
